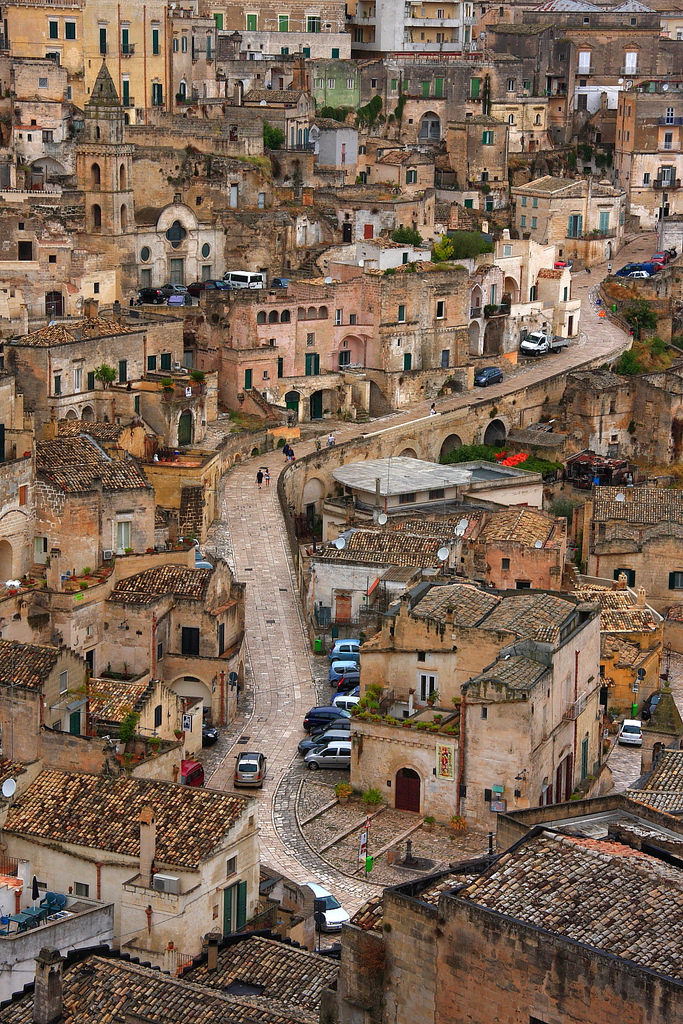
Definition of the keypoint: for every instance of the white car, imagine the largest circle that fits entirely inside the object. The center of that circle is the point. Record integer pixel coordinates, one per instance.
(334, 915)
(347, 701)
(631, 733)
(639, 274)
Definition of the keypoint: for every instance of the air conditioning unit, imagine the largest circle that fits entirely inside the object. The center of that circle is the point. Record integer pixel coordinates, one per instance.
(107, 554)
(166, 883)
(177, 366)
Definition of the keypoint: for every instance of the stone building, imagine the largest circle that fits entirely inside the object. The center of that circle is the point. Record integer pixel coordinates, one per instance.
(536, 912)
(316, 31)
(581, 218)
(17, 478)
(478, 150)
(378, 28)
(41, 118)
(517, 548)
(521, 670)
(161, 712)
(648, 157)
(156, 850)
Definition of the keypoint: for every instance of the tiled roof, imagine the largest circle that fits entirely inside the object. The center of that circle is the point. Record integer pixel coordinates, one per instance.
(110, 700)
(626, 654)
(668, 772)
(26, 665)
(470, 604)
(545, 184)
(291, 976)
(666, 800)
(146, 586)
(618, 613)
(536, 616)
(100, 431)
(399, 574)
(646, 506)
(110, 991)
(75, 330)
(553, 275)
(515, 672)
(387, 548)
(431, 525)
(595, 892)
(10, 769)
(102, 812)
(75, 463)
(370, 915)
(596, 380)
(523, 525)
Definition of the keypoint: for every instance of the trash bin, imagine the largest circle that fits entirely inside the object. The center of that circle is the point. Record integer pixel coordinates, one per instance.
(614, 307)
(318, 645)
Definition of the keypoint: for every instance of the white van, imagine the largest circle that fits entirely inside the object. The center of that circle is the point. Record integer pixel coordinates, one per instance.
(244, 279)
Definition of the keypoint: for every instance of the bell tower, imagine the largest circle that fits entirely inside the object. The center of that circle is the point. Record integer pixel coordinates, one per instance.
(104, 162)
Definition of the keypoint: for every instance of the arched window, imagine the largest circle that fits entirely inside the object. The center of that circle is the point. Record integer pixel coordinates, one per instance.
(272, 316)
(260, 317)
(95, 176)
(322, 313)
(537, 119)
(96, 217)
(285, 316)
(124, 217)
(97, 131)
(122, 178)
(312, 313)
(182, 89)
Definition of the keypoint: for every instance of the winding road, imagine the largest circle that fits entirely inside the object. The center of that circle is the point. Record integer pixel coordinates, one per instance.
(251, 536)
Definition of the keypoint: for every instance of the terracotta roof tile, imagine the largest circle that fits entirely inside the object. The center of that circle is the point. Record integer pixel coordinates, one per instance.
(102, 812)
(100, 431)
(74, 464)
(387, 548)
(75, 330)
(26, 665)
(524, 525)
(646, 506)
(110, 700)
(369, 916)
(147, 586)
(291, 976)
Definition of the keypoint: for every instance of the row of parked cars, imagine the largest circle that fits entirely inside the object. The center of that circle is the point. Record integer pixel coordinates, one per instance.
(647, 268)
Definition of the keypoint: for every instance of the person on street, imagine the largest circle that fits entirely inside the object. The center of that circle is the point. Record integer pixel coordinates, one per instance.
(266, 476)
(259, 479)
(330, 440)
(432, 411)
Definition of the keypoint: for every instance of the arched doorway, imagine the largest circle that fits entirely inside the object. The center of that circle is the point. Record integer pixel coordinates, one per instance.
(474, 333)
(88, 414)
(430, 127)
(96, 217)
(6, 560)
(312, 499)
(54, 305)
(292, 402)
(408, 453)
(495, 432)
(407, 790)
(190, 686)
(493, 337)
(450, 444)
(185, 427)
(315, 405)
(511, 288)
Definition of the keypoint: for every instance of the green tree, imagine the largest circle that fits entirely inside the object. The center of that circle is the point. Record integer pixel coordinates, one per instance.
(128, 726)
(641, 316)
(105, 374)
(443, 250)
(628, 363)
(407, 236)
(272, 137)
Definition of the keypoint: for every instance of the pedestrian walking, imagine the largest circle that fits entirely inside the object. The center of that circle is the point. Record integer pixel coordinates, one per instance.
(330, 440)
(317, 444)
(432, 411)
(286, 452)
(259, 479)
(266, 477)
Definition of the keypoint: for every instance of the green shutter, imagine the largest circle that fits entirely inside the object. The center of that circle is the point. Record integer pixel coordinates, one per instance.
(241, 905)
(123, 371)
(91, 380)
(474, 88)
(218, 18)
(407, 361)
(251, 23)
(247, 380)
(227, 911)
(438, 87)
(335, 53)
(425, 90)
(155, 41)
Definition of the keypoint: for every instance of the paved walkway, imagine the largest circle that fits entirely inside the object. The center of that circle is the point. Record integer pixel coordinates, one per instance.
(252, 538)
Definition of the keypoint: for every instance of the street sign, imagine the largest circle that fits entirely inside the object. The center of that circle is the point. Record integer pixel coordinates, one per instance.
(363, 846)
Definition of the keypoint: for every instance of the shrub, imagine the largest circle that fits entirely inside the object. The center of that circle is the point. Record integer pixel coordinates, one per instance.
(429, 820)
(372, 797)
(370, 112)
(86, 571)
(406, 236)
(128, 726)
(272, 137)
(105, 374)
(462, 244)
(336, 113)
(343, 789)
(628, 364)
(198, 376)
(280, 442)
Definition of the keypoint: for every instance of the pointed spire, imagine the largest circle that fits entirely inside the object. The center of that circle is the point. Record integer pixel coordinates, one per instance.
(104, 91)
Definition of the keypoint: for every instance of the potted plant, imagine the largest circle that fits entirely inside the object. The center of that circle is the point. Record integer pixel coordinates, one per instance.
(372, 797)
(458, 823)
(432, 698)
(343, 791)
(428, 823)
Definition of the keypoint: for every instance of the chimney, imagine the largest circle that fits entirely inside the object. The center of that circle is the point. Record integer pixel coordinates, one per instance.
(622, 582)
(212, 953)
(47, 995)
(53, 573)
(148, 843)
(641, 597)
(90, 308)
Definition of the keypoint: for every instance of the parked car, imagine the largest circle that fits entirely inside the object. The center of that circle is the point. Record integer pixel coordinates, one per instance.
(336, 755)
(662, 257)
(627, 268)
(640, 275)
(488, 375)
(650, 706)
(340, 668)
(342, 722)
(191, 773)
(154, 296)
(323, 715)
(279, 282)
(209, 735)
(631, 733)
(538, 343)
(345, 650)
(349, 681)
(173, 289)
(250, 769)
(197, 287)
(561, 264)
(322, 739)
(346, 701)
(334, 915)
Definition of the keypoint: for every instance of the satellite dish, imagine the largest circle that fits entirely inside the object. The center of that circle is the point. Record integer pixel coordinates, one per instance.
(9, 788)
(382, 518)
(328, 280)
(620, 496)
(621, 81)
(442, 554)
(538, 544)
(461, 527)
(665, 87)
(340, 543)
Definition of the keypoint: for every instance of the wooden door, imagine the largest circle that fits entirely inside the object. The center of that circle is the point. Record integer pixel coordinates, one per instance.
(407, 790)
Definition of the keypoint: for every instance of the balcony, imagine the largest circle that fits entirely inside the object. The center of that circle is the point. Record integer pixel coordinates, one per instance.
(666, 185)
(576, 708)
(497, 310)
(475, 312)
(677, 121)
(628, 70)
(127, 49)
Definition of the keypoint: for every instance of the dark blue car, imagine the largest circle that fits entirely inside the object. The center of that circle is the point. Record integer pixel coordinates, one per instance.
(488, 375)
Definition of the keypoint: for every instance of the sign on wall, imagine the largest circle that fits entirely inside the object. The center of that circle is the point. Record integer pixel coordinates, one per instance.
(445, 761)
(187, 723)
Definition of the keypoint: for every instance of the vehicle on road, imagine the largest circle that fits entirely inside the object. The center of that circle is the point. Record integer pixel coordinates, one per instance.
(629, 268)
(191, 773)
(631, 733)
(348, 681)
(538, 343)
(346, 701)
(153, 296)
(322, 715)
(332, 915)
(250, 769)
(197, 287)
(336, 755)
(244, 279)
(345, 650)
(340, 668)
(209, 735)
(650, 705)
(173, 289)
(342, 722)
(279, 282)
(488, 375)
(639, 275)
(322, 739)
(663, 257)
(561, 264)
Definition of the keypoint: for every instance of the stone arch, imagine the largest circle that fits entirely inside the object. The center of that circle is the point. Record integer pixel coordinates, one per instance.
(301, 313)
(88, 414)
(511, 288)
(476, 301)
(408, 453)
(285, 316)
(123, 178)
(6, 560)
(311, 313)
(261, 317)
(292, 399)
(495, 432)
(450, 444)
(96, 215)
(313, 495)
(351, 351)
(407, 790)
(474, 335)
(430, 127)
(186, 427)
(71, 414)
(191, 686)
(123, 213)
(273, 317)
(322, 313)
(95, 176)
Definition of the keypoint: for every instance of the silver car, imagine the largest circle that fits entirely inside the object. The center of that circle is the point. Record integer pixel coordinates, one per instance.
(336, 755)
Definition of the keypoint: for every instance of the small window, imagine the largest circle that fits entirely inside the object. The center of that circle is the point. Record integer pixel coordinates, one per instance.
(407, 499)
(230, 866)
(337, 317)
(534, 203)
(353, 319)
(206, 250)
(310, 339)
(23, 494)
(488, 795)
(505, 563)
(69, 29)
(63, 682)
(440, 309)
(523, 200)
(436, 493)
(58, 384)
(81, 889)
(630, 575)
(96, 288)
(25, 250)
(676, 580)
(52, 258)
(533, 223)
(158, 715)
(165, 361)
(523, 584)
(411, 176)
(421, 656)
(401, 314)
(151, 363)
(487, 138)
(484, 712)
(53, 29)
(160, 651)
(522, 221)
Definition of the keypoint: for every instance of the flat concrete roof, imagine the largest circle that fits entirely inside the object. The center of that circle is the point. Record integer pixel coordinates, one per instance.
(404, 475)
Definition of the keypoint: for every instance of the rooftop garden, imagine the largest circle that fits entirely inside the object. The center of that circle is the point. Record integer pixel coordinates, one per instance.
(500, 455)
